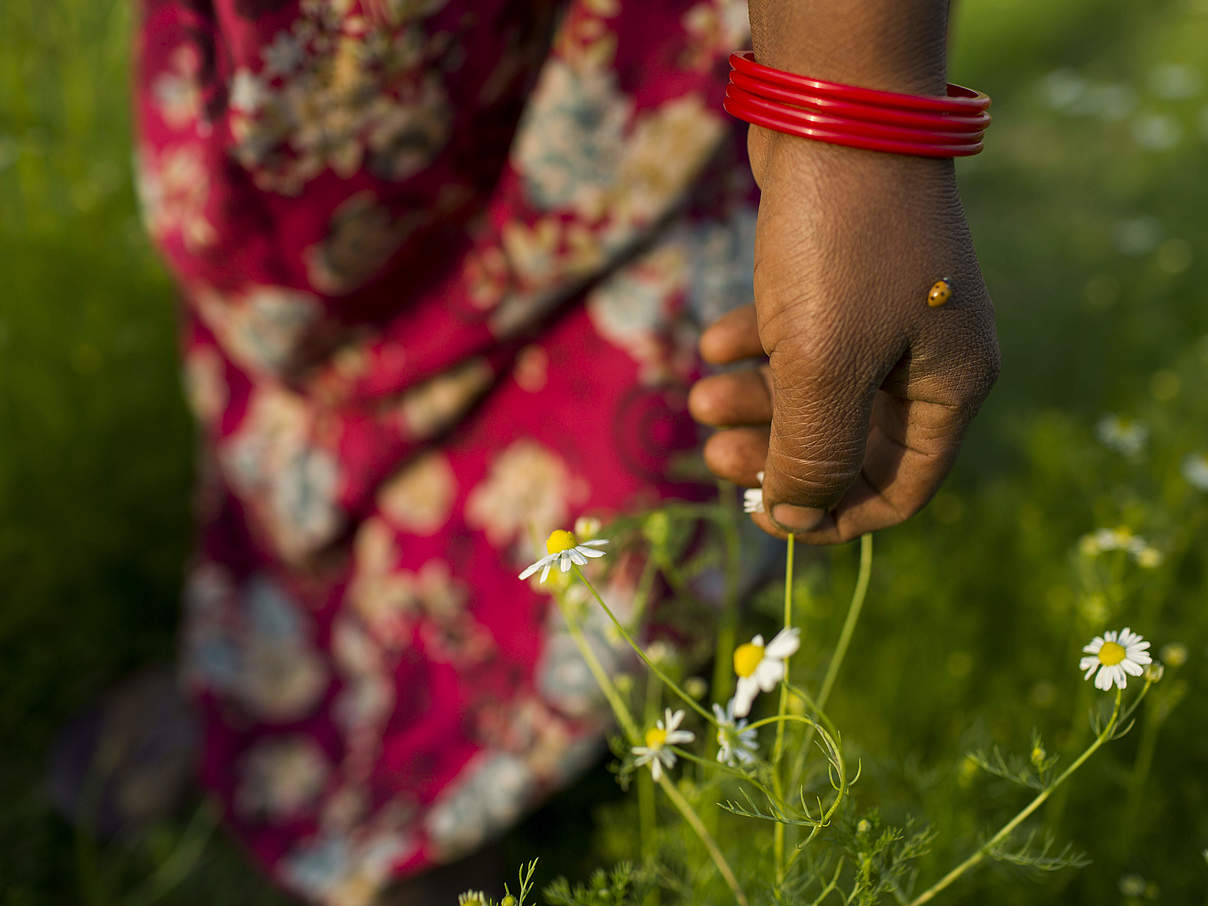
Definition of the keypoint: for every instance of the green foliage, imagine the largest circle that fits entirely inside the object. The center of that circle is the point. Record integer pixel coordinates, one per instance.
(624, 885)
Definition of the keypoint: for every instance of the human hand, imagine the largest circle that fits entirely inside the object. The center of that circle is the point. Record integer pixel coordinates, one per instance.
(857, 412)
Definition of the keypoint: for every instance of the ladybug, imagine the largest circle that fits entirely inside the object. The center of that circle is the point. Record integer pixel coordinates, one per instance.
(939, 293)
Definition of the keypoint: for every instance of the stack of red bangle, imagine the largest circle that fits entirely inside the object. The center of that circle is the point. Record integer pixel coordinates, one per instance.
(950, 126)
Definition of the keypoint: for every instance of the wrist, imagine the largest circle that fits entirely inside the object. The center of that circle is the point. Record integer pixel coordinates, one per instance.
(893, 45)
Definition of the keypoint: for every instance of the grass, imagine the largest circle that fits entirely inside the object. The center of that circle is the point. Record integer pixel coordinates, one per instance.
(1092, 246)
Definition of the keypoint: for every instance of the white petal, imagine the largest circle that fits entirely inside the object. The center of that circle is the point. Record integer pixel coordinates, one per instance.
(656, 769)
(530, 569)
(768, 674)
(598, 542)
(680, 736)
(589, 552)
(785, 643)
(758, 640)
(1088, 663)
(744, 694)
(672, 718)
(564, 562)
(1093, 647)
(1103, 680)
(1129, 667)
(575, 557)
(1140, 657)
(545, 573)
(1119, 676)
(1109, 636)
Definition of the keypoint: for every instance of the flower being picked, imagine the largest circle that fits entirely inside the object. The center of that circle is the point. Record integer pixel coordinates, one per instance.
(736, 744)
(761, 667)
(752, 498)
(663, 734)
(1115, 655)
(563, 550)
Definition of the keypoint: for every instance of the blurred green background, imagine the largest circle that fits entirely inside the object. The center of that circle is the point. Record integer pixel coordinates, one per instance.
(1088, 209)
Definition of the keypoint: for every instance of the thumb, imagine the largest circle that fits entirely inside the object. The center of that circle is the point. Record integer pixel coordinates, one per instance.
(820, 416)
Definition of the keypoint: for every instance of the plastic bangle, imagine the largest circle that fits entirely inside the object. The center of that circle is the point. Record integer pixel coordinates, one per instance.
(836, 137)
(958, 100)
(743, 100)
(956, 123)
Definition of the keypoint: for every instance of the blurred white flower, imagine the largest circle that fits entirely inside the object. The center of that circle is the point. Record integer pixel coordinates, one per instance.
(663, 734)
(1195, 470)
(1156, 131)
(761, 667)
(737, 745)
(564, 551)
(1174, 81)
(1122, 434)
(1114, 656)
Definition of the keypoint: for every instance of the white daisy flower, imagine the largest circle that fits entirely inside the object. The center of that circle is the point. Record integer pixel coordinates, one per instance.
(737, 745)
(1122, 435)
(663, 734)
(752, 498)
(1195, 470)
(1114, 655)
(564, 551)
(761, 667)
(472, 898)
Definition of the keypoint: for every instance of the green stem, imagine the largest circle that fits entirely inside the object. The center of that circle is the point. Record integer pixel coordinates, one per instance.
(646, 811)
(930, 893)
(694, 822)
(668, 681)
(778, 746)
(630, 727)
(854, 607)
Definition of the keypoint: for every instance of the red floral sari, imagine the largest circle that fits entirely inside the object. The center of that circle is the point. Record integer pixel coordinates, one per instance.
(443, 265)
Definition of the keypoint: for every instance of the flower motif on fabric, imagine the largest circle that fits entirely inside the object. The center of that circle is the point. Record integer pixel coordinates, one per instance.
(279, 777)
(528, 486)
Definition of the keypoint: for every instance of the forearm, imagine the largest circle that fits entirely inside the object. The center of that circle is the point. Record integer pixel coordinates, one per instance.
(896, 45)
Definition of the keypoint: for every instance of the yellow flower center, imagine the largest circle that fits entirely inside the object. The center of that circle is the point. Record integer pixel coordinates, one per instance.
(747, 658)
(655, 738)
(1111, 654)
(559, 541)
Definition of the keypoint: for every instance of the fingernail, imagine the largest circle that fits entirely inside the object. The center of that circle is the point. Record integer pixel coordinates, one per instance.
(797, 519)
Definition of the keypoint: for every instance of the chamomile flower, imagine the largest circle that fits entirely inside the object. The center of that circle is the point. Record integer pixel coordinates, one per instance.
(736, 745)
(1115, 655)
(752, 498)
(663, 734)
(761, 667)
(472, 898)
(564, 551)
(1195, 470)
(1122, 434)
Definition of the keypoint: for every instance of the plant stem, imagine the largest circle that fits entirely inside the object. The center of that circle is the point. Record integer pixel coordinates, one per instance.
(854, 608)
(695, 823)
(633, 733)
(778, 746)
(1021, 816)
(668, 681)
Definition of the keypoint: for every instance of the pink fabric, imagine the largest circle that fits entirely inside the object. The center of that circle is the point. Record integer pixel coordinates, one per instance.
(443, 264)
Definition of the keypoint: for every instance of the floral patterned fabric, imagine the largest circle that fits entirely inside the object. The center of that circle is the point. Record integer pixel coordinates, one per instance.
(443, 266)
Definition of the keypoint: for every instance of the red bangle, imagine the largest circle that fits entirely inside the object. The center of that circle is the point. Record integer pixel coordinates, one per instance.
(958, 100)
(954, 122)
(951, 126)
(743, 100)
